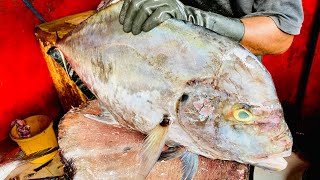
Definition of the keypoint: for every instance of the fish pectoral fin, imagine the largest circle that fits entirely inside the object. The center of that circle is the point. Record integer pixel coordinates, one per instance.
(171, 153)
(103, 119)
(153, 146)
(190, 163)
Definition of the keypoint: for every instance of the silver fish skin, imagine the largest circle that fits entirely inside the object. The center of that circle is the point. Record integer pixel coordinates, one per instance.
(221, 101)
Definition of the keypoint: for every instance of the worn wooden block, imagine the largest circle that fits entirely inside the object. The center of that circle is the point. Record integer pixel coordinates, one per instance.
(94, 150)
(47, 34)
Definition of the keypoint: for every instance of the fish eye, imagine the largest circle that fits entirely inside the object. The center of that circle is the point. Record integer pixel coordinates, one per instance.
(184, 97)
(242, 115)
(242, 112)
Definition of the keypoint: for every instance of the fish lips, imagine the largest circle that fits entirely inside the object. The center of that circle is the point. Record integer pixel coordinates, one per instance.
(275, 162)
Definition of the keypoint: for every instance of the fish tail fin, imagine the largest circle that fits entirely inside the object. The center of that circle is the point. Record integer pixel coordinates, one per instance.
(58, 56)
(152, 148)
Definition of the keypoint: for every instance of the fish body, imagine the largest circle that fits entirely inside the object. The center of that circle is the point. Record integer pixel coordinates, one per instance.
(215, 97)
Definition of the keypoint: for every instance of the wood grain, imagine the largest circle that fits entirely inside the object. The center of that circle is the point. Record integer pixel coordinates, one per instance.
(48, 34)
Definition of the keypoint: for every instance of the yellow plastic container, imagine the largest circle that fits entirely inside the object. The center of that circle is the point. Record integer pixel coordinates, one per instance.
(42, 137)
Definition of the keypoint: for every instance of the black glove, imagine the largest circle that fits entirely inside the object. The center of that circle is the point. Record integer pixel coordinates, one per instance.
(144, 15)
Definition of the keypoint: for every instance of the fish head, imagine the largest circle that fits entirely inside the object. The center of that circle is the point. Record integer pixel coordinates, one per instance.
(236, 115)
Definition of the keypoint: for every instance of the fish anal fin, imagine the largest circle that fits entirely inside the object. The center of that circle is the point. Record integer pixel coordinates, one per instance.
(190, 163)
(153, 146)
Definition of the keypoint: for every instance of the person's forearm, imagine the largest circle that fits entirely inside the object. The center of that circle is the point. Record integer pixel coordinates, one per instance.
(262, 36)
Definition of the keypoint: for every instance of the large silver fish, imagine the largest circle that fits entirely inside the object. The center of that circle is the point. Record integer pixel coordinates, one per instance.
(182, 85)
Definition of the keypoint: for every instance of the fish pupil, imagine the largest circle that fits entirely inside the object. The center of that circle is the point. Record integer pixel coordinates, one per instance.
(184, 97)
(243, 115)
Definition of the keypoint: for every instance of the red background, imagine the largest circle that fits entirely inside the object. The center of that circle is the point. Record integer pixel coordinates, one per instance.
(26, 87)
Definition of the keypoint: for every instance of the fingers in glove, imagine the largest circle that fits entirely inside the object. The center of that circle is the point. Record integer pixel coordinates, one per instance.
(123, 11)
(144, 13)
(156, 18)
(131, 14)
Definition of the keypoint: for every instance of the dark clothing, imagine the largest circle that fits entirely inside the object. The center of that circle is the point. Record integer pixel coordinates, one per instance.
(287, 14)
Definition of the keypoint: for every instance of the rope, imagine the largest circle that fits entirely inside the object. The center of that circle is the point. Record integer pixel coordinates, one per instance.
(35, 12)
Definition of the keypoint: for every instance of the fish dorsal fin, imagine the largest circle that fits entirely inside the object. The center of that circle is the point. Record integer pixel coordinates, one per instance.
(153, 146)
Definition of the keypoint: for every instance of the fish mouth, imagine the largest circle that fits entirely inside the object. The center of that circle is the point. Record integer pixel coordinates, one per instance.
(274, 162)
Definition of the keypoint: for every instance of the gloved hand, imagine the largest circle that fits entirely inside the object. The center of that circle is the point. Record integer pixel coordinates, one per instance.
(144, 15)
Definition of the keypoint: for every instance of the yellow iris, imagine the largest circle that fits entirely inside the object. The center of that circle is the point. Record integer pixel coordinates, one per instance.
(242, 115)
(241, 112)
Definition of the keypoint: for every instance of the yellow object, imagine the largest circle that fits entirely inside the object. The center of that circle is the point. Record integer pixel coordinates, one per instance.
(42, 137)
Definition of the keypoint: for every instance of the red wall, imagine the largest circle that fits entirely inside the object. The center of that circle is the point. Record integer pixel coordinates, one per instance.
(286, 68)
(311, 103)
(26, 87)
(300, 96)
